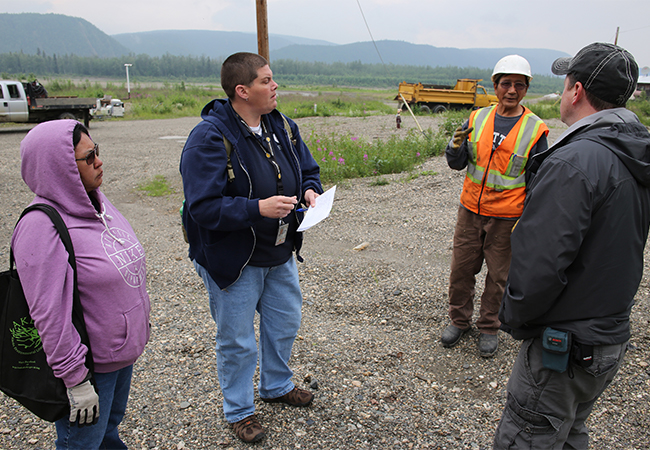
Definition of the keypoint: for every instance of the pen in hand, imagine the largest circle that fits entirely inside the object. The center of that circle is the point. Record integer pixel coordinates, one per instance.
(301, 209)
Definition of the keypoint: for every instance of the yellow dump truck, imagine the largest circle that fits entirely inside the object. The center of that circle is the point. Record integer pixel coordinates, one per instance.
(466, 94)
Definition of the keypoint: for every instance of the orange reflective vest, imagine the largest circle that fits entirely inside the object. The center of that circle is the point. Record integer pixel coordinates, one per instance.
(495, 182)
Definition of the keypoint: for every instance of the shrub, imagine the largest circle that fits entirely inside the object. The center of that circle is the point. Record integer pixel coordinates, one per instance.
(546, 109)
(347, 156)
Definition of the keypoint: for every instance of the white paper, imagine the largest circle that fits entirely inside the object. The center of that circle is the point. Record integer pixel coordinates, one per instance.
(319, 212)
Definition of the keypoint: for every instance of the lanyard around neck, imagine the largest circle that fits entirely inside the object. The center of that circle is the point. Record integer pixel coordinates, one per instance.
(268, 152)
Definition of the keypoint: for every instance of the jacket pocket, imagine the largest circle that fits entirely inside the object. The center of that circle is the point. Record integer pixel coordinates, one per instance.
(135, 337)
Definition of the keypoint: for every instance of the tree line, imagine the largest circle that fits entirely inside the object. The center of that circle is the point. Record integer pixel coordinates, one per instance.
(288, 72)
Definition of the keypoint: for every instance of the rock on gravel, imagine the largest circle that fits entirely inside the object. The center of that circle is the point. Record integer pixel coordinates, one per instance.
(371, 317)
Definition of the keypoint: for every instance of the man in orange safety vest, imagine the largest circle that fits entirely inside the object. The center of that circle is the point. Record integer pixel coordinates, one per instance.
(495, 145)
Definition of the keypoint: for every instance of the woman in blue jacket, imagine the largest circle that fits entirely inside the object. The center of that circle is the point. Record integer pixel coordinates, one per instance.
(245, 172)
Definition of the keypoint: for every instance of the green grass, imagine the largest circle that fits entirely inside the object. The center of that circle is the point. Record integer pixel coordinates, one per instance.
(172, 100)
(326, 104)
(546, 109)
(157, 187)
(641, 107)
(161, 101)
(379, 181)
(416, 175)
(346, 156)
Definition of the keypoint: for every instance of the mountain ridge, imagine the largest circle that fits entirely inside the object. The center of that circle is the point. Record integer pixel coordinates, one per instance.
(201, 42)
(34, 33)
(405, 53)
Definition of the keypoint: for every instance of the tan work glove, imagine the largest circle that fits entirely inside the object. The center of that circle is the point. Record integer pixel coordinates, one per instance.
(84, 404)
(460, 136)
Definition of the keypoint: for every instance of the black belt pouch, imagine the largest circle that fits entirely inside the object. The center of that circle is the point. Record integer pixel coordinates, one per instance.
(556, 346)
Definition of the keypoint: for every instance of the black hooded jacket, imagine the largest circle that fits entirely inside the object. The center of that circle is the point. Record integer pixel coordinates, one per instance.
(577, 251)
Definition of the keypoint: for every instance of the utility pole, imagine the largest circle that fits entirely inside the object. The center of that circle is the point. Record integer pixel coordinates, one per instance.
(128, 84)
(616, 38)
(262, 30)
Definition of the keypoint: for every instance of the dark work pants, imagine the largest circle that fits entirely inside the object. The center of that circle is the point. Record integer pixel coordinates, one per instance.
(478, 238)
(546, 409)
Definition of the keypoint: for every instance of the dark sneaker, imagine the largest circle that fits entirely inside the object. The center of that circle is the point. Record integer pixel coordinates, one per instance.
(452, 335)
(488, 344)
(248, 429)
(296, 397)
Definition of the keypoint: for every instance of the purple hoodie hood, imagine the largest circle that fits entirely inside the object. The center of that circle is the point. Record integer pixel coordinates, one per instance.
(49, 168)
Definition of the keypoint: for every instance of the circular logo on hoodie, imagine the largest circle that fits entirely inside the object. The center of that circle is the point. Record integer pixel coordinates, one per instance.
(127, 255)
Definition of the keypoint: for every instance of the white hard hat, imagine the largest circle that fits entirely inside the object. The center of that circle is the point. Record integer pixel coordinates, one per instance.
(512, 64)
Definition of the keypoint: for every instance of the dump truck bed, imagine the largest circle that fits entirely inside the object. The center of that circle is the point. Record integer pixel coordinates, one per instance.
(466, 94)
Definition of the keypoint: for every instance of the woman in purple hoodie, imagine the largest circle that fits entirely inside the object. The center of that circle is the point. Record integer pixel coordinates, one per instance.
(60, 164)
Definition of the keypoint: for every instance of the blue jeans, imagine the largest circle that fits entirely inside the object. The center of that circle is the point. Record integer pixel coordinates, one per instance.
(274, 292)
(113, 389)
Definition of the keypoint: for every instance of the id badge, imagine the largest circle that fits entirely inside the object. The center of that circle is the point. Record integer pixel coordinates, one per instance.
(283, 229)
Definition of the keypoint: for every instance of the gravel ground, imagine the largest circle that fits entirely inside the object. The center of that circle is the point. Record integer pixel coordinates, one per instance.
(371, 317)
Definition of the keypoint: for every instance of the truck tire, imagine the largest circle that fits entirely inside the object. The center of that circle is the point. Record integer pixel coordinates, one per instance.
(424, 109)
(439, 109)
(67, 115)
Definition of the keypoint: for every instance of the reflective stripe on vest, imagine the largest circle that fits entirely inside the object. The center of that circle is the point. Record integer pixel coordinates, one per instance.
(501, 191)
(513, 176)
(478, 120)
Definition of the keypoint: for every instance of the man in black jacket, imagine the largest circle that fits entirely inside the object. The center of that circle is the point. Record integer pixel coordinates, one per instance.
(577, 255)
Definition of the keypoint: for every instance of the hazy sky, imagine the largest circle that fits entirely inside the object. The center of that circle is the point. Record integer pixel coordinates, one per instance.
(565, 25)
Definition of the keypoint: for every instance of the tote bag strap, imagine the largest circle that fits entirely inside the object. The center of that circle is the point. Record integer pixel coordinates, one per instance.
(77, 309)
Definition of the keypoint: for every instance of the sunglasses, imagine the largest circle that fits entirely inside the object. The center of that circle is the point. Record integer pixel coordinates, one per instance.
(90, 159)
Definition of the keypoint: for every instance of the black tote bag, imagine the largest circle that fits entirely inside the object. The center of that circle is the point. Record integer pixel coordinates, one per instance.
(24, 372)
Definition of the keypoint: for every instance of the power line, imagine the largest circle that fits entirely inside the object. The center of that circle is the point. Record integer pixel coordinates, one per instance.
(636, 29)
(370, 33)
(386, 69)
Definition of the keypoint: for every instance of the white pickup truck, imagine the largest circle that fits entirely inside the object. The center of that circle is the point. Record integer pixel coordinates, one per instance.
(28, 102)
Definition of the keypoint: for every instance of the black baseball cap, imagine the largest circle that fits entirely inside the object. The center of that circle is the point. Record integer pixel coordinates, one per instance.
(605, 70)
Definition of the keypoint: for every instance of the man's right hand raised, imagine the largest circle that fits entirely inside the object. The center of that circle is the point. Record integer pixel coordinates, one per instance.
(459, 137)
